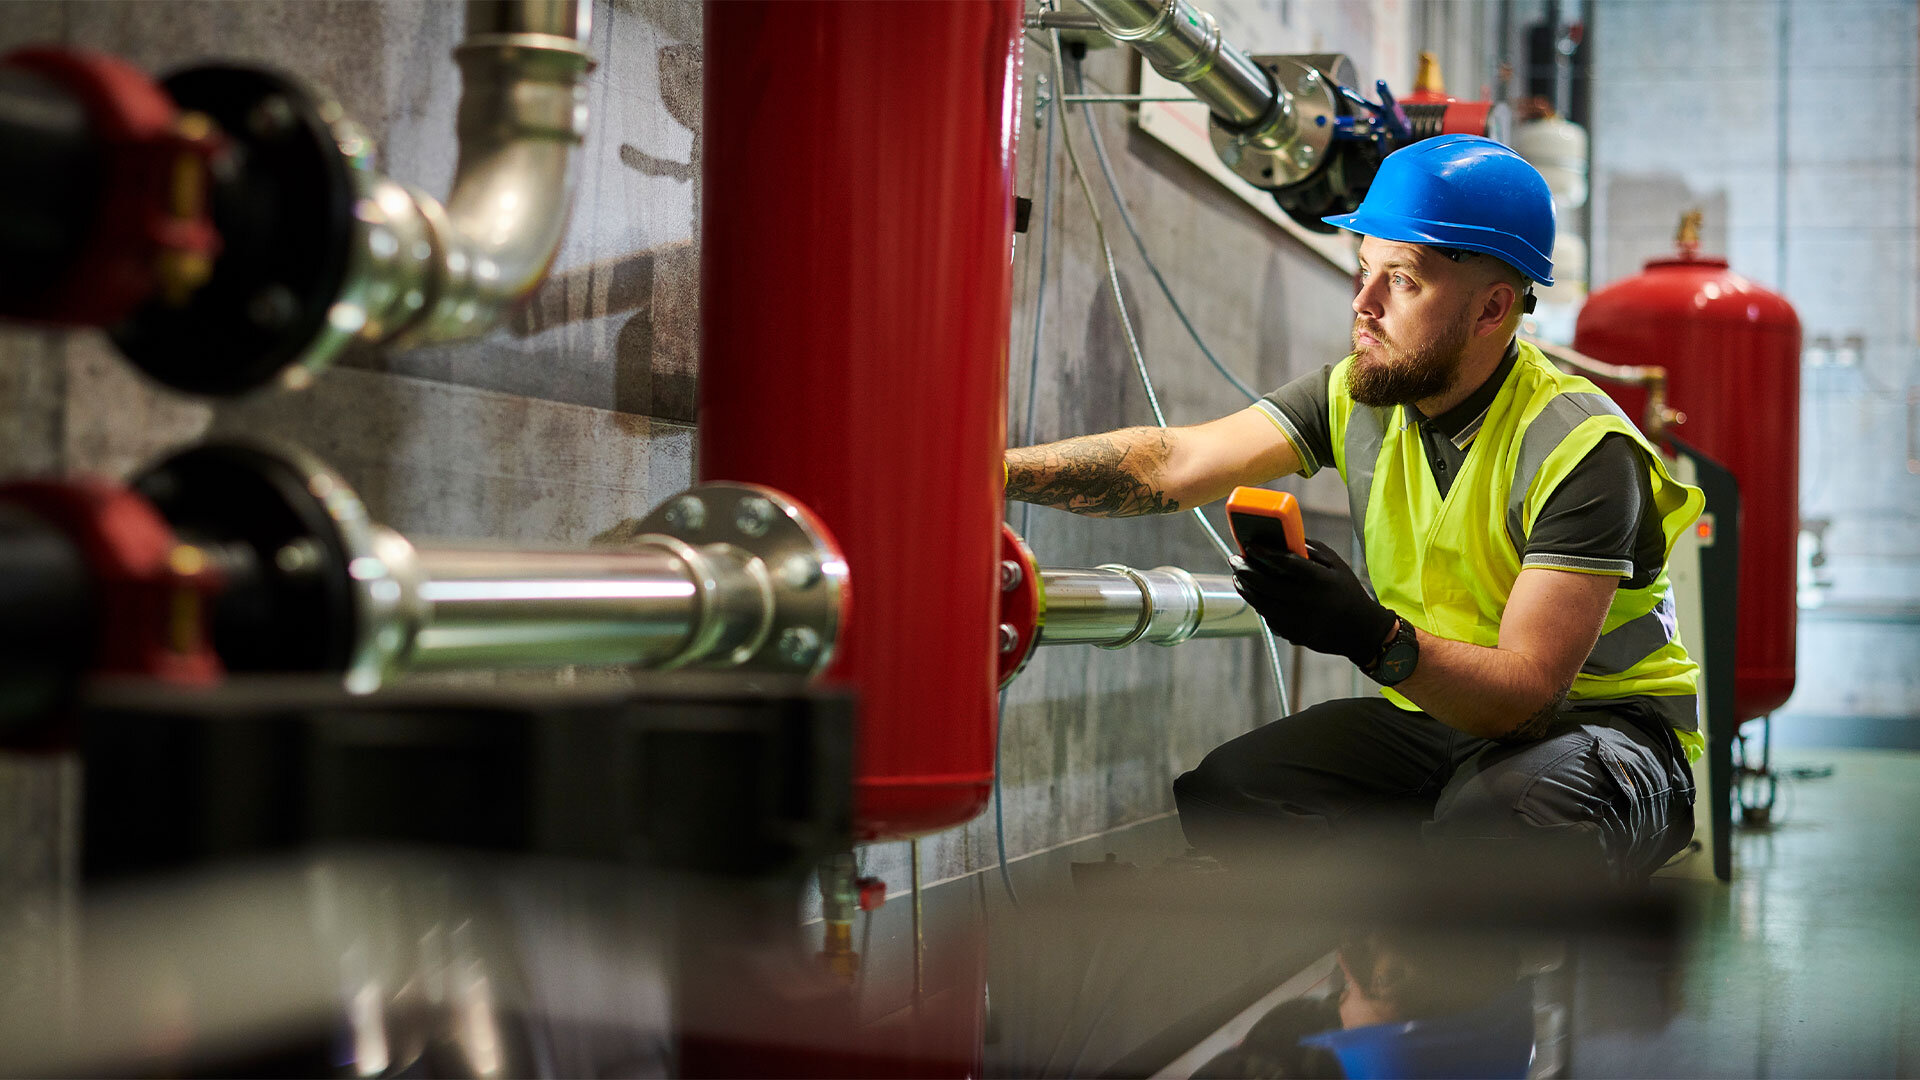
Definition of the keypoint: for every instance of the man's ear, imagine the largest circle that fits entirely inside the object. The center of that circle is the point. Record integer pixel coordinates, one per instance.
(1497, 305)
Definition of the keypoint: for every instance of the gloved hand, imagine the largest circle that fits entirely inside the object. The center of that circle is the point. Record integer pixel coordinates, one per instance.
(1316, 602)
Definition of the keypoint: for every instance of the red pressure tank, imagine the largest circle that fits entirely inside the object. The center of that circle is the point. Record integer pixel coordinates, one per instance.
(1732, 354)
(855, 297)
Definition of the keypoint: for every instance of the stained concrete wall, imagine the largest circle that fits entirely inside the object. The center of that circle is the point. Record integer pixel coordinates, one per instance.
(579, 414)
(1792, 122)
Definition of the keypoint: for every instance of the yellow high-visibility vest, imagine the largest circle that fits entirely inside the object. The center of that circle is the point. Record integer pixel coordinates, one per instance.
(1448, 565)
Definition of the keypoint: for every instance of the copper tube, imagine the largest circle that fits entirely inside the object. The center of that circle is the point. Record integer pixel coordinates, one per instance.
(1659, 417)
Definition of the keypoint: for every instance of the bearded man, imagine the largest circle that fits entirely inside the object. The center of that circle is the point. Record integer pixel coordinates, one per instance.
(1515, 527)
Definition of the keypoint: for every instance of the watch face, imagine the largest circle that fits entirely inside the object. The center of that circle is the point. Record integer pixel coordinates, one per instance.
(1398, 661)
(1397, 664)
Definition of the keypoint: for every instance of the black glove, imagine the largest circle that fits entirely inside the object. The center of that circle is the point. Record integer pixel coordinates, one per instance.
(1315, 602)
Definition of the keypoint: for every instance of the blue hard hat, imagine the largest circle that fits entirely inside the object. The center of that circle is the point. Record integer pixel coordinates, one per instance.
(1461, 191)
(1494, 1041)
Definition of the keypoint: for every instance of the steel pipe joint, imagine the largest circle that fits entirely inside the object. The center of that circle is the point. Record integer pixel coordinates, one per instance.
(1114, 606)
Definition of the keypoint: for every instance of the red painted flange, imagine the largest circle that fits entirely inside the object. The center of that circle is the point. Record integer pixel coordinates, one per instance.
(1023, 605)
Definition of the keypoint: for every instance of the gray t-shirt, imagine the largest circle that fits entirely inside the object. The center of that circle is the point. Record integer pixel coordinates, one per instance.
(1599, 520)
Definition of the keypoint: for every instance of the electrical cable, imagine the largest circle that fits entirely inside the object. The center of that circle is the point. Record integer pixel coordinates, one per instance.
(1126, 218)
(1049, 118)
(1133, 341)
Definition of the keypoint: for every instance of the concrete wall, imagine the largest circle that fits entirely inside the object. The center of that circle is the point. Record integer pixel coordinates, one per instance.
(1792, 122)
(579, 414)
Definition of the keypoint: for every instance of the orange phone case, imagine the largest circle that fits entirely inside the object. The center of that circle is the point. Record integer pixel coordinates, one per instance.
(1254, 513)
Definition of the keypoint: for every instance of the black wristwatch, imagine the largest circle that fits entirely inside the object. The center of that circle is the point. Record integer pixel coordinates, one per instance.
(1397, 658)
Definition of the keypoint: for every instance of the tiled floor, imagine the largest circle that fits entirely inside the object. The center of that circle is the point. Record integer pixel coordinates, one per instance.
(1808, 964)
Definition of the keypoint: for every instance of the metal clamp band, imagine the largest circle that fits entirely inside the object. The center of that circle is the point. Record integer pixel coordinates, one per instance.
(1146, 607)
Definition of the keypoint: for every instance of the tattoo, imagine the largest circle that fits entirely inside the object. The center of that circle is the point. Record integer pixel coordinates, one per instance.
(1533, 727)
(1111, 475)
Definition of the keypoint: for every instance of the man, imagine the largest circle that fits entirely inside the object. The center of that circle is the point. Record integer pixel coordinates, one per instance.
(1515, 527)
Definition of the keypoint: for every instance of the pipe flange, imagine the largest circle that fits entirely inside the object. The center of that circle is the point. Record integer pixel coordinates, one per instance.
(283, 199)
(321, 588)
(1146, 607)
(1289, 144)
(1023, 605)
(791, 553)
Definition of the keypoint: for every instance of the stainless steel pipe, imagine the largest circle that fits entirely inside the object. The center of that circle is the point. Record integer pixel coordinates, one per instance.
(1273, 117)
(420, 270)
(720, 576)
(1115, 606)
(644, 608)
(1183, 43)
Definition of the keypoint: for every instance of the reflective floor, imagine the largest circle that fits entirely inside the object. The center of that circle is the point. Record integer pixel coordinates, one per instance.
(1808, 965)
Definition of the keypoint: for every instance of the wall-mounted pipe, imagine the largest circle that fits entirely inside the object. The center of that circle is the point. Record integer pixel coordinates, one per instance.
(1184, 43)
(1272, 117)
(720, 576)
(423, 271)
(1110, 606)
(319, 249)
(523, 115)
(1115, 606)
(1659, 415)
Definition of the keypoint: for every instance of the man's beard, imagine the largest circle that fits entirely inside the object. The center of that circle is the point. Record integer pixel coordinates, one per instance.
(1385, 374)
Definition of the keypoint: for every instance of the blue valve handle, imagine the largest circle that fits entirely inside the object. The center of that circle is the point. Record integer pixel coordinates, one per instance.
(1388, 117)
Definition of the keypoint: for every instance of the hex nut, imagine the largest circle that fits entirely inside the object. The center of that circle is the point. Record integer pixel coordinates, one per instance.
(1010, 575)
(1009, 638)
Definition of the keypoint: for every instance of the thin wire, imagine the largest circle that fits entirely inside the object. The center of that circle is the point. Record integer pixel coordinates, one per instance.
(1050, 120)
(1133, 342)
(1126, 218)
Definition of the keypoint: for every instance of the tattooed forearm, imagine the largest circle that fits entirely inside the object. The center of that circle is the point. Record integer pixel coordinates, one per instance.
(1535, 726)
(1118, 474)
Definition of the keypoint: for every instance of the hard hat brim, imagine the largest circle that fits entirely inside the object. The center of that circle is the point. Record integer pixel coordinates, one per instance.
(1506, 247)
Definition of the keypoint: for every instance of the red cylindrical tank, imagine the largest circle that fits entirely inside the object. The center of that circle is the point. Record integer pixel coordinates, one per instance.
(1732, 354)
(855, 297)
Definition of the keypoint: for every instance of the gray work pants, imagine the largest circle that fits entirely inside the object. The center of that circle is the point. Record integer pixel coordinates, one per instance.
(1606, 783)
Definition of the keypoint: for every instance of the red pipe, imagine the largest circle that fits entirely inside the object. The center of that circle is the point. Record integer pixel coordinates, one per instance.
(856, 282)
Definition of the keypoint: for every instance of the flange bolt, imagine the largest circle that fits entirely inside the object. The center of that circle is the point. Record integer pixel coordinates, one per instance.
(686, 514)
(754, 516)
(798, 645)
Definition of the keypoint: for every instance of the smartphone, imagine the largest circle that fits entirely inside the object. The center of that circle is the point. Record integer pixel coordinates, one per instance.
(1267, 519)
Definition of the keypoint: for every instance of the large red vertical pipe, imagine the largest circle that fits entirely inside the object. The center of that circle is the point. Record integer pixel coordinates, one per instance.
(855, 295)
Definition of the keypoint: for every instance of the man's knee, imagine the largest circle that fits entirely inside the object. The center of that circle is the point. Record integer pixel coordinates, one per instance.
(1585, 793)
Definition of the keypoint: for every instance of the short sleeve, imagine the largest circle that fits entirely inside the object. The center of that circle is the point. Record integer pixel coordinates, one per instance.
(1300, 409)
(1600, 519)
